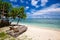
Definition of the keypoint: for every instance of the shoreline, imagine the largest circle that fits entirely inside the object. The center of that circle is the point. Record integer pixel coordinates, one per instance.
(49, 28)
(37, 33)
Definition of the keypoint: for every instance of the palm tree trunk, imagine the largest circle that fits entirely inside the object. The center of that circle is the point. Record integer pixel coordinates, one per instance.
(18, 21)
(11, 20)
(3, 11)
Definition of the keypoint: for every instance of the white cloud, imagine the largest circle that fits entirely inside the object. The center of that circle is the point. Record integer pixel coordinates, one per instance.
(45, 11)
(43, 2)
(52, 8)
(49, 10)
(13, 0)
(34, 2)
(27, 7)
(37, 6)
(55, 5)
(41, 13)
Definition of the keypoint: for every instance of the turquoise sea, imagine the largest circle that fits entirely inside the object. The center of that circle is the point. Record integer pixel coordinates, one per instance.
(42, 22)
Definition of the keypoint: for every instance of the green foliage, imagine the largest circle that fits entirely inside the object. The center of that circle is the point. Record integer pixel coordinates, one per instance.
(17, 12)
(12, 39)
(5, 5)
(21, 13)
(12, 12)
(4, 36)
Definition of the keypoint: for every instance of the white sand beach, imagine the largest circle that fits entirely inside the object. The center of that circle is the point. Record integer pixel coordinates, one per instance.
(36, 33)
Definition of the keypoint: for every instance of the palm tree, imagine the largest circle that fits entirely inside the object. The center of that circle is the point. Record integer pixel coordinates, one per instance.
(13, 13)
(7, 11)
(0, 7)
(5, 7)
(18, 12)
(21, 14)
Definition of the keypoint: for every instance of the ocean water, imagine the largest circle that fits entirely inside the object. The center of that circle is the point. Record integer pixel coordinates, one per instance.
(42, 22)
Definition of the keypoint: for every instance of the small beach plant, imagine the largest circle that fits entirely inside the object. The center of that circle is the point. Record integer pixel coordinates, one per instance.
(4, 36)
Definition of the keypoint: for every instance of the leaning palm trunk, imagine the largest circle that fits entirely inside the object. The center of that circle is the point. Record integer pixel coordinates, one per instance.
(18, 21)
(11, 22)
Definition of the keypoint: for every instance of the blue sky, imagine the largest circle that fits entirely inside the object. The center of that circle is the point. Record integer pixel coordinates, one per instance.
(39, 8)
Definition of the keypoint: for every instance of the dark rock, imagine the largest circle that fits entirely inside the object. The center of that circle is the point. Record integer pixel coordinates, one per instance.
(4, 23)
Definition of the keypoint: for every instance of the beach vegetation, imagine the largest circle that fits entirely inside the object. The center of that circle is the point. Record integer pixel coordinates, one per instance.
(5, 7)
(17, 13)
(4, 36)
(7, 11)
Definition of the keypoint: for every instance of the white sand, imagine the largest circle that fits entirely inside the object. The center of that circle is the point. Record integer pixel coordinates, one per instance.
(36, 33)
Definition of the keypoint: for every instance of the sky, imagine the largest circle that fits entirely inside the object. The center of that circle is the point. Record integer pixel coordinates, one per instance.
(39, 8)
